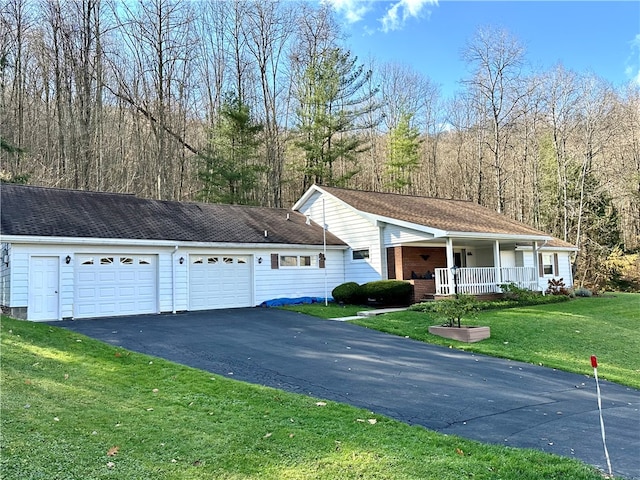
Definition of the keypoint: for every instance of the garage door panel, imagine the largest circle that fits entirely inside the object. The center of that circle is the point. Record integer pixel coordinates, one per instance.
(110, 285)
(85, 276)
(127, 276)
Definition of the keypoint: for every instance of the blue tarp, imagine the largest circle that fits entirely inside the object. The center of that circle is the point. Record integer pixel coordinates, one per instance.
(279, 302)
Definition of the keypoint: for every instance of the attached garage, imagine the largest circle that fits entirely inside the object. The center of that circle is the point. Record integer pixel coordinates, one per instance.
(220, 281)
(79, 254)
(111, 285)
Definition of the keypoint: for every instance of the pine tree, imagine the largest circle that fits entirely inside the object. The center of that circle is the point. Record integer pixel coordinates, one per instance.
(332, 102)
(404, 145)
(229, 172)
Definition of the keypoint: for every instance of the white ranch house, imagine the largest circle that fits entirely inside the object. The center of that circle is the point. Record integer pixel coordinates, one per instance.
(410, 238)
(77, 254)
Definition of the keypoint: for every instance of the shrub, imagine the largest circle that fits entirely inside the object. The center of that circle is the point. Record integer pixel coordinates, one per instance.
(556, 287)
(532, 298)
(388, 292)
(350, 293)
(582, 292)
(453, 309)
(512, 291)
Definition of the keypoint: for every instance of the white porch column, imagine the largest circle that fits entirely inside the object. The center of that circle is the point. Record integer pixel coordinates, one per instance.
(384, 268)
(536, 265)
(496, 263)
(450, 264)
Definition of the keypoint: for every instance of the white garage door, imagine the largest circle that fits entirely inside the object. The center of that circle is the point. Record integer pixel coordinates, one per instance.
(109, 285)
(219, 281)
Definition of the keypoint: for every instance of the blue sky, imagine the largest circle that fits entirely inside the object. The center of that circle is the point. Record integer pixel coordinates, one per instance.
(602, 37)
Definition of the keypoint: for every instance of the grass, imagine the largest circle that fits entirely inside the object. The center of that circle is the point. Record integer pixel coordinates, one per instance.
(332, 310)
(76, 408)
(562, 335)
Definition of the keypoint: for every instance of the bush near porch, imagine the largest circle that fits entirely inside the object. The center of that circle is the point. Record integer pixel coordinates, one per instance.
(378, 293)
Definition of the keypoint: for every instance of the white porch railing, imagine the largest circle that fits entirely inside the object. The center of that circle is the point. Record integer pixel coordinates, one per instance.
(482, 280)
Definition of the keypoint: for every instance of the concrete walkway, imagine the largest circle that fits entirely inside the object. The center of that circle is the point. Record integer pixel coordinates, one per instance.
(453, 392)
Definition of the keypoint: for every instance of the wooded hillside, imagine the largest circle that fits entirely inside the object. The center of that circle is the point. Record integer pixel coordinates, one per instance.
(253, 101)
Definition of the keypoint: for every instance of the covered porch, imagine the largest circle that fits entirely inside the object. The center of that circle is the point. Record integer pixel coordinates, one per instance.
(483, 280)
(475, 267)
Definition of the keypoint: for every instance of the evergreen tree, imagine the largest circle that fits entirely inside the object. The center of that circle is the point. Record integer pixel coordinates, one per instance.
(333, 102)
(229, 172)
(404, 145)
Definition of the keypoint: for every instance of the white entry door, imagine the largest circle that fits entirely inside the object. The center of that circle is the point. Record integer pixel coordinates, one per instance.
(43, 288)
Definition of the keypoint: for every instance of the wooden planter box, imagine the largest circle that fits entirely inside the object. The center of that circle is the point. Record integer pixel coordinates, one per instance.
(465, 333)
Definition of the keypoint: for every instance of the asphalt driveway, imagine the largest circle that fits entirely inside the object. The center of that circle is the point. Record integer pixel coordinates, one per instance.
(474, 396)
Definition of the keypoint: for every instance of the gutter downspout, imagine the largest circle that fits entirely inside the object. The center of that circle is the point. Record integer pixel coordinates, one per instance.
(173, 279)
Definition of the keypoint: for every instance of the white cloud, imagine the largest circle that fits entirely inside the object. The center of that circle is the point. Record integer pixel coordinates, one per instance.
(632, 69)
(401, 11)
(396, 14)
(352, 10)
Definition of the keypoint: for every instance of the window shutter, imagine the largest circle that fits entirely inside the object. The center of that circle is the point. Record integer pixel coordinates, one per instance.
(274, 261)
(321, 260)
(540, 266)
(556, 270)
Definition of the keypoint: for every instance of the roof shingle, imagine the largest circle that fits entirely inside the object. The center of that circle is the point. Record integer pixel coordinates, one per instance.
(40, 211)
(442, 214)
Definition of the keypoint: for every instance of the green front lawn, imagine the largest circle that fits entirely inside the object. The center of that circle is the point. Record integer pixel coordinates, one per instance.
(562, 335)
(76, 408)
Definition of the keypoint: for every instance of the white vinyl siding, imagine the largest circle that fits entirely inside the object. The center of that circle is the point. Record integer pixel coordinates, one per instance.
(355, 230)
(395, 235)
(564, 267)
(295, 282)
(5, 274)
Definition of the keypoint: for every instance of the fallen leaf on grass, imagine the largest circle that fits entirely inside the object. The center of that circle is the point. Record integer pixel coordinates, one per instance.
(56, 419)
(155, 390)
(66, 376)
(267, 435)
(118, 354)
(459, 452)
(113, 451)
(372, 421)
(321, 404)
(110, 464)
(291, 435)
(27, 382)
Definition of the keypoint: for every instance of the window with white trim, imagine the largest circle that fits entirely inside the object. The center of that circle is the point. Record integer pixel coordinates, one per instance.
(360, 254)
(288, 261)
(547, 264)
(302, 261)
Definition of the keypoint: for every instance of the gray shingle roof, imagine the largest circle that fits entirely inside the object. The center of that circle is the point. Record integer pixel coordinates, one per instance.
(40, 211)
(442, 214)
